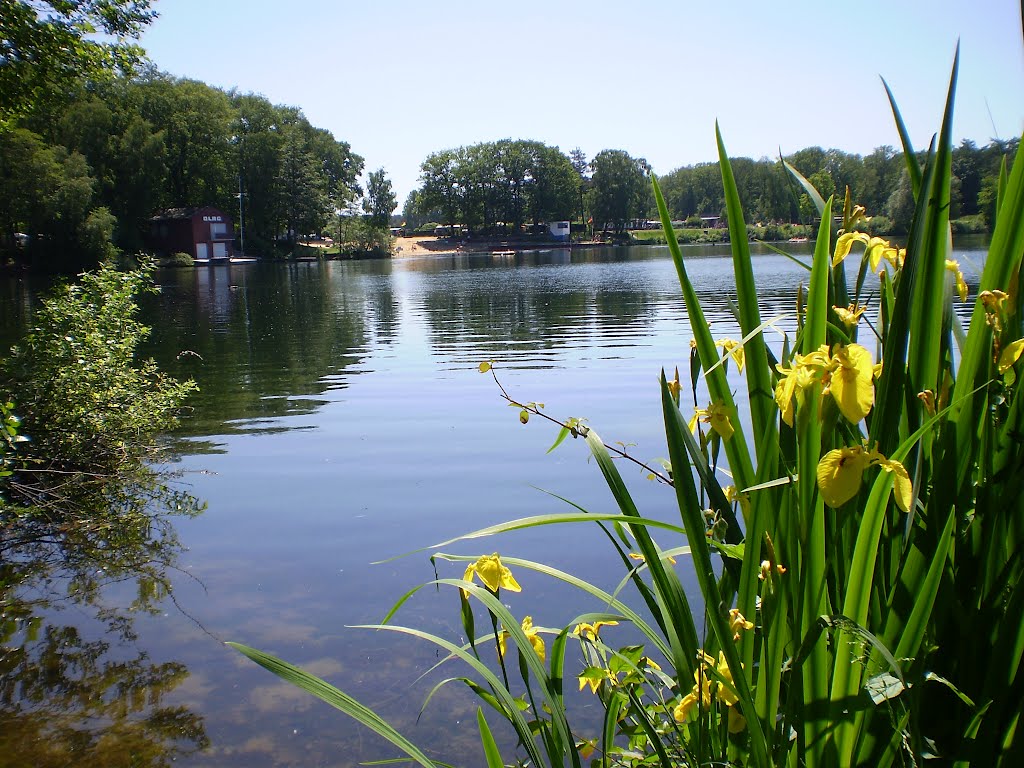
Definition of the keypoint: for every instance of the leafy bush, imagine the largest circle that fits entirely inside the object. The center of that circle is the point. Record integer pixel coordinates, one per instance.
(842, 542)
(879, 225)
(89, 407)
(179, 259)
(969, 225)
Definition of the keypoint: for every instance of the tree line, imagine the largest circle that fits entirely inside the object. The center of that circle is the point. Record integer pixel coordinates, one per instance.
(877, 181)
(99, 165)
(502, 185)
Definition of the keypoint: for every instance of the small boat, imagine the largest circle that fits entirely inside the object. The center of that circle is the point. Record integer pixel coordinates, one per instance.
(503, 253)
(797, 240)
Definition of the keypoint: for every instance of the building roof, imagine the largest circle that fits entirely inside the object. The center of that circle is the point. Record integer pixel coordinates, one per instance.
(178, 214)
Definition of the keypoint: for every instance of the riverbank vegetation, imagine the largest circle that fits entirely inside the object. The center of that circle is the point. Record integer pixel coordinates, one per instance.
(498, 187)
(847, 483)
(82, 509)
(94, 141)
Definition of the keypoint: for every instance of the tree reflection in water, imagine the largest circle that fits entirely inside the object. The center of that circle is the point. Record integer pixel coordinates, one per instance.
(69, 699)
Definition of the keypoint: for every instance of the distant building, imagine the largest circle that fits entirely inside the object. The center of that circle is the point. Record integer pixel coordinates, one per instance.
(559, 230)
(205, 233)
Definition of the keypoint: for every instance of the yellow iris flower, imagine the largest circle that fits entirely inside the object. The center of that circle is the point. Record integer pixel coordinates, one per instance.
(961, 285)
(850, 315)
(737, 722)
(848, 375)
(1010, 355)
(531, 634)
(716, 416)
(732, 348)
(641, 558)
(705, 689)
(590, 631)
(852, 381)
(737, 623)
(492, 574)
(725, 693)
(841, 470)
(875, 249)
(683, 709)
(594, 677)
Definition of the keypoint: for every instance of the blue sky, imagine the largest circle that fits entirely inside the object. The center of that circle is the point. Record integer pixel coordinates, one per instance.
(399, 80)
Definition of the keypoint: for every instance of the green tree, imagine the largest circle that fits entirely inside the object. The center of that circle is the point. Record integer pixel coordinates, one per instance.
(380, 201)
(441, 187)
(196, 120)
(556, 188)
(302, 189)
(620, 190)
(900, 206)
(882, 170)
(46, 45)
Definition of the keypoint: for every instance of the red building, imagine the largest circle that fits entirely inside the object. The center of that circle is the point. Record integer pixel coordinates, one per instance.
(205, 234)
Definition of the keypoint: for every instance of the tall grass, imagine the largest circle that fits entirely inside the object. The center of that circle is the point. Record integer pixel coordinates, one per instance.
(861, 590)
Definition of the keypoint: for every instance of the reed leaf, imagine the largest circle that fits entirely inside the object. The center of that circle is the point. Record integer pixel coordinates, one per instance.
(336, 698)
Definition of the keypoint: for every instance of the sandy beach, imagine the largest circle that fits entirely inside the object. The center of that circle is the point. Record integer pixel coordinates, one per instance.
(425, 246)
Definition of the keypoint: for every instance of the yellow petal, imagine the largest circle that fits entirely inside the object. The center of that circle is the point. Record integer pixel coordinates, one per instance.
(494, 575)
(839, 474)
(784, 392)
(1011, 353)
(852, 384)
(737, 722)
(725, 693)
(508, 581)
(737, 623)
(849, 316)
(594, 683)
(719, 420)
(845, 243)
(961, 286)
(502, 638)
(693, 421)
(901, 487)
(682, 711)
(534, 637)
(732, 348)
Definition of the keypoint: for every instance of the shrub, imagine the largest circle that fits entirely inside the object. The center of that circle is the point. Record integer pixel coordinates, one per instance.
(969, 225)
(179, 259)
(90, 408)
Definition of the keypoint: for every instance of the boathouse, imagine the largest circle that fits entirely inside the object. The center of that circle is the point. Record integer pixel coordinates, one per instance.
(204, 233)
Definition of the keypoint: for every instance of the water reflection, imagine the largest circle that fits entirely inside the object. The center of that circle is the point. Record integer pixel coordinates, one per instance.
(254, 336)
(79, 693)
(349, 425)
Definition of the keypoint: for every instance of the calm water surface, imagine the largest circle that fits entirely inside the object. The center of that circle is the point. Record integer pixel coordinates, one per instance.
(341, 422)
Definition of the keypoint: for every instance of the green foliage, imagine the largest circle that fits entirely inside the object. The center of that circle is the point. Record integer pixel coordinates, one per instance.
(969, 225)
(89, 406)
(380, 201)
(618, 189)
(498, 184)
(846, 513)
(178, 260)
(769, 196)
(46, 46)
(136, 145)
(358, 236)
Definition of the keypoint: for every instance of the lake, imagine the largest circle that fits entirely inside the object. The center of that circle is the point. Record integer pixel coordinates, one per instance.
(341, 422)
